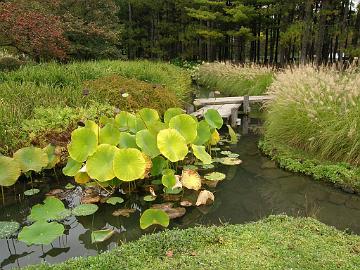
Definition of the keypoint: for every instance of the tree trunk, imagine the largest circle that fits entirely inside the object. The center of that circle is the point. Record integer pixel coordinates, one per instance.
(306, 34)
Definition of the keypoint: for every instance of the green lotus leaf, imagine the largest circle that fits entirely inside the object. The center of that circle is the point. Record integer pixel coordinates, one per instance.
(173, 191)
(41, 233)
(147, 142)
(114, 200)
(8, 228)
(127, 140)
(172, 112)
(191, 179)
(148, 115)
(233, 137)
(31, 192)
(203, 133)
(137, 125)
(9, 171)
(215, 176)
(233, 155)
(129, 164)
(186, 126)
(172, 145)
(93, 126)
(53, 159)
(208, 166)
(85, 209)
(213, 118)
(200, 152)
(82, 178)
(31, 159)
(104, 120)
(215, 137)
(159, 163)
(230, 161)
(149, 198)
(52, 209)
(69, 186)
(155, 127)
(190, 167)
(225, 153)
(125, 120)
(100, 165)
(154, 216)
(83, 144)
(72, 167)
(168, 180)
(109, 135)
(101, 235)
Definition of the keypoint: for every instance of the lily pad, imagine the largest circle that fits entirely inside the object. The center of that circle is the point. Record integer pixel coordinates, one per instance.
(31, 192)
(190, 167)
(208, 166)
(109, 134)
(213, 118)
(101, 235)
(215, 176)
(83, 144)
(9, 171)
(174, 190)
(148, 115)
(172, 145)
(52, 209)
(200, 152)
(72, 167)
(172, 112)
(147, 142)
(85, 209)
(41, 233)
(31, 159)
(149, 198)
(129, 164)
(8, 228)
(114, 200)
(230, 161)
(191, 179)
(186, 126)
(100, 165)
(233, 155)
(127, 140)
(152, 217)
(225, 153)
(203, 133)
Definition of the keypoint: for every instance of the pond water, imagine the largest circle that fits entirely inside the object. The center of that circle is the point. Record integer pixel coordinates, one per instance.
(253, 190)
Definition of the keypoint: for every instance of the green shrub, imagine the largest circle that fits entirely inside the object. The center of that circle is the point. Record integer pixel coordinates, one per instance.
(9, 64)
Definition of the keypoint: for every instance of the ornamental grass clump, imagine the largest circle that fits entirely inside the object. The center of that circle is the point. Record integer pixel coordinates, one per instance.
(316, 111)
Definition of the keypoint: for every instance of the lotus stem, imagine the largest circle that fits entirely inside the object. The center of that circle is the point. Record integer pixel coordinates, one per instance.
(3, 195)
(31, 181)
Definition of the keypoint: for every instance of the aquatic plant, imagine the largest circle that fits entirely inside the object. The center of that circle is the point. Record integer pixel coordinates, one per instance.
(152, 217)
(101, 235)
(41, 233)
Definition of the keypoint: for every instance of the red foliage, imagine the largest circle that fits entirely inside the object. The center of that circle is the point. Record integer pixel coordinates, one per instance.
(32, 32)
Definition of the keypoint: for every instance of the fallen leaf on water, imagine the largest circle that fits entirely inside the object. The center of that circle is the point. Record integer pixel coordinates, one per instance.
(204, 197)
(186, 203)
(123, 212)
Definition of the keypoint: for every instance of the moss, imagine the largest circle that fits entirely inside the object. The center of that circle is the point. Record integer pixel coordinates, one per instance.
(278, 242)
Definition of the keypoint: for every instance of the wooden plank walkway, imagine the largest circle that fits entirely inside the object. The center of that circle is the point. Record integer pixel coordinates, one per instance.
(229, 100)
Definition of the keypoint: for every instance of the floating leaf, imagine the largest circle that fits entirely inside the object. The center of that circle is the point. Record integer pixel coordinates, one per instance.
(172, 145)
(69, 186)
(93, 126)
(100, 165)
(149, 198)
(9, 171)
(31, 159)
(85, 209)
(124, 120)
(230, 161)
(190, 167)
(159, 163)
(215, 137)
(8, 228)
(213, 118)
(215, 149)
(191, 179)
(53, 159)
(170, 210)
(147, 142)
(225, 153)
(83, 144)
(129, 164)
(109, 135)
(72, 167)
(101, 235)
(114, 200)
(233, 137)
(233, 155)
(203, 133)
(41, 233)
(172, 112)
(215, 176)
(52, 209)
(208, 166)
(186, 126)
(127, 140)
(82, 178)
(31, 192)
(148, 115)
(174, 190)
(200, 152)
(168, 180)
(152, 217)
(205, 197)
(123, 212)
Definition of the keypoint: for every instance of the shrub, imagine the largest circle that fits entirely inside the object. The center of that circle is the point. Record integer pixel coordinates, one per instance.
(9, 64)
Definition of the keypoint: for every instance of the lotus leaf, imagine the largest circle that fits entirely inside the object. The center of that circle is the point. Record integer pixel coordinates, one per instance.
(83, 144)
(101, 235)
(31, 192)
(100, 165)
(208, 166)
(154, 216)
(93, 126)
(190, 167)
(147, 142)
(127, 140)
(8, 228)
(129, 164)
(186, 126)
(9, 171)
(233, 137)
(72, 167)
(104, 120)
(85, 209)
(213, 118)
(200, 152)
(204, 197)
(215, 137)
(148, 115)
(149, 198)
(203, 133)
(172, 112)
(191, 179)
(168, 180)
(159, 164)
(69, 186)
(109, 135)
(215, 149)
(41, 233)
(225, 153)
(215, 176)
(82, 178)
(172, 145)
(155, 127)
(31, 159)
(125, 120)
(114, 200)
(52, 209)
(233, 155)
(230, 161)
(174, 190)
(53, 159)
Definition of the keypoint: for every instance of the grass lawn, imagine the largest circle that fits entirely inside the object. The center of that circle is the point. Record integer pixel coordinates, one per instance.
(277, 242)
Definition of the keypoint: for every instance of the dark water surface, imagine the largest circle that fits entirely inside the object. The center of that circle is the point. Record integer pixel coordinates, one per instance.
(253, 190)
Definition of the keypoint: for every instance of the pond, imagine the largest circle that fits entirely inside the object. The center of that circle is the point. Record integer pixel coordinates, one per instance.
(252, 190)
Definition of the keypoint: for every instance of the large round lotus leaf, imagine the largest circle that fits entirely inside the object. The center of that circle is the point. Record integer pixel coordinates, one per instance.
(215, 137)
(172, 145)
(100, 165)
(129, 164)
(172, 112)
(200, 152)
(159, 164)
(82, 178)
(114, 200)
(191, 179)
(148, 115)
(109, 135)
(137, 125)
(101, 235)
(154, 216)
(127, 140)
(203, 133)
(9, 171)
(83, 144)
(72, 167)
(52, 209)
(215, 176)
(8, 228)
(31, 159)
(149, 198)
(230, 161)
(53, 159)
(147, 142)
(155, 127)
(213, 118)
(85, 209)
(168, 180)
(186, 126)
(124, 120)
(93, 126)
(41, 233)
